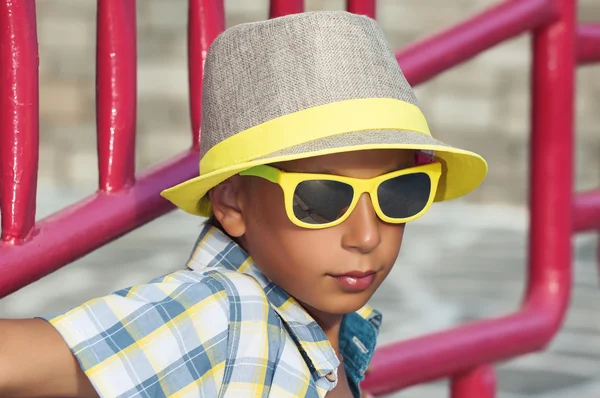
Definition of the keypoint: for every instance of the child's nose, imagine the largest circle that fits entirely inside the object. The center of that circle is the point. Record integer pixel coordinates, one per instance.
(361, 228)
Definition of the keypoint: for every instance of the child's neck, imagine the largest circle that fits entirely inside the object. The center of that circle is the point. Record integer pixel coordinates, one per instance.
(331, 324)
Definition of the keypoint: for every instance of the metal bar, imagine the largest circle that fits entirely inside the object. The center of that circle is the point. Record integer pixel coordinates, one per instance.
(279, 8)
(450, 352)
(476, 383)
(432, 56)
(363, 7)
(19, 118)
(588, 43)
(434, 356)
(551, 164)
(116, 93)
(586, 211)
(79, 229)
(206, 20)
(598, 255)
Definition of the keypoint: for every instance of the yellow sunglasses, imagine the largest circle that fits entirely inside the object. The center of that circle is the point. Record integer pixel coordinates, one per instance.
(318, 201)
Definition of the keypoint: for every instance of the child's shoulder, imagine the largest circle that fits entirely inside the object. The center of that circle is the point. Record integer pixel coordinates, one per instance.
(212, 297)
(186, 316)
(219, 283)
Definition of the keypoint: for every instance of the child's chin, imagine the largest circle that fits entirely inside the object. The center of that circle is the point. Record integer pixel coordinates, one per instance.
(346, 304)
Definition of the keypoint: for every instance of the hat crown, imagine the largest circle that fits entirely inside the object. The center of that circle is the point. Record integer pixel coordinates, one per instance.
(259, 71)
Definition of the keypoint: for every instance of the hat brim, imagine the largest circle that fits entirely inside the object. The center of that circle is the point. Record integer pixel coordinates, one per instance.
(462, 171)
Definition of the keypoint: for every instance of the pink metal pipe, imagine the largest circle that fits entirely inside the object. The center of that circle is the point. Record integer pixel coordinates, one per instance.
(19, 118)
(116, 93)
(279, 8)
(588, 43)
(551, 167)
(432, 56)
(476, 383)
(586, 211)
(434, 356)
(363, 7)
(79, 229)
(586, 215)
(206, 20)
(454, 351)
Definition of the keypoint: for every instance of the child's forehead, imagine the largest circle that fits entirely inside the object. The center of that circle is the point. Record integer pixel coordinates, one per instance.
(377, 161)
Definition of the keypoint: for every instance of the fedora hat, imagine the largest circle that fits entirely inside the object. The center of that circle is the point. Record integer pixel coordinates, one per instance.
(306, 85)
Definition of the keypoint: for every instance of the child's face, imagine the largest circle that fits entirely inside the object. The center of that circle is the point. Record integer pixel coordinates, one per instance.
(309, 263)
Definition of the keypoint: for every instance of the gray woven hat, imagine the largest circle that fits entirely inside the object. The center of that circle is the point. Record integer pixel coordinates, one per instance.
(306, 85)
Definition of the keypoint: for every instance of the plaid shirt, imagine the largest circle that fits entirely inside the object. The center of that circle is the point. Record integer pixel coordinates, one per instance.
(219, 328)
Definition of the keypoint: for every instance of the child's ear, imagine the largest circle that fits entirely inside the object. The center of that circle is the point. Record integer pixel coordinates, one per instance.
(224, 201)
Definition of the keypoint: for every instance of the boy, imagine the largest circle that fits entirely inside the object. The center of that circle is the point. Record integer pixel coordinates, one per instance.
(314, 156)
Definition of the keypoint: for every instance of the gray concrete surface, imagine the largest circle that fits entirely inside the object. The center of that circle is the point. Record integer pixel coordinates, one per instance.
(460, 262)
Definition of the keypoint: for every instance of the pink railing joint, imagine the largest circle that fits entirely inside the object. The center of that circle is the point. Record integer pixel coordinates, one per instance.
(430, 57)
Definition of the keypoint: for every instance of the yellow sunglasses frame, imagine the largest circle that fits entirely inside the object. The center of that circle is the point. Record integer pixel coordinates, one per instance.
(288, 181)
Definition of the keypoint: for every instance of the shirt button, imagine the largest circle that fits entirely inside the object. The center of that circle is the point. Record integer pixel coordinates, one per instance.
(331, 377)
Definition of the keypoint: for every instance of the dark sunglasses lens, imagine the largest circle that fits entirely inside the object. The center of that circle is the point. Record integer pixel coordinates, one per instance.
(404, 196)
(321, 201)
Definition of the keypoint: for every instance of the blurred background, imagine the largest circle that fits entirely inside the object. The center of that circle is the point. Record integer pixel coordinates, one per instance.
(465, 260)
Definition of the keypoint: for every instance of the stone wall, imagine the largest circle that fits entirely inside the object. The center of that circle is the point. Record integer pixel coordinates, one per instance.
(482, 105)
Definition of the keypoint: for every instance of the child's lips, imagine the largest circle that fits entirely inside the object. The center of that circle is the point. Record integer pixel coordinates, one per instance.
(356, 280)
(356, 274)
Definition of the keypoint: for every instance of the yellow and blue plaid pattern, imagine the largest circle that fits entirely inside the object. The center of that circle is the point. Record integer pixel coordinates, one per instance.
(219, 328)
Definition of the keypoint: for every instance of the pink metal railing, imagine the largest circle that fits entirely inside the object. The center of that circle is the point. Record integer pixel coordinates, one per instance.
(206, 20)
(116, 94)
(588, 39)
(30, 250)
(427, 58)
(19, 139)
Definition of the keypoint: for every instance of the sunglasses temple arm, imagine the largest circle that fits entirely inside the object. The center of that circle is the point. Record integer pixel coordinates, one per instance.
(267, 172)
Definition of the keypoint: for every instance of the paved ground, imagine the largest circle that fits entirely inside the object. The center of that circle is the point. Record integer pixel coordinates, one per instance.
(461, 262)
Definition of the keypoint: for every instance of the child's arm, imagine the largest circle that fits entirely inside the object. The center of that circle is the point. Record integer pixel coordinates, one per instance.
(36, 362)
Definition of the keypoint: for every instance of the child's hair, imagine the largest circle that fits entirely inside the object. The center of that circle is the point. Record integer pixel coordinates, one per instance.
(212, 220)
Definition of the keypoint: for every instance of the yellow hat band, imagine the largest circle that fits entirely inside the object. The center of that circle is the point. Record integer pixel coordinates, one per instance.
(312, 124)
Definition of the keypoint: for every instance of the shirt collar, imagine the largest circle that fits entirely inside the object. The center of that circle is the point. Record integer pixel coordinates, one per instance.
(215, 249)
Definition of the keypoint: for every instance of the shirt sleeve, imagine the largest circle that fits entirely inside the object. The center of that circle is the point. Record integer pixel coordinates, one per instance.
(168, 337)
